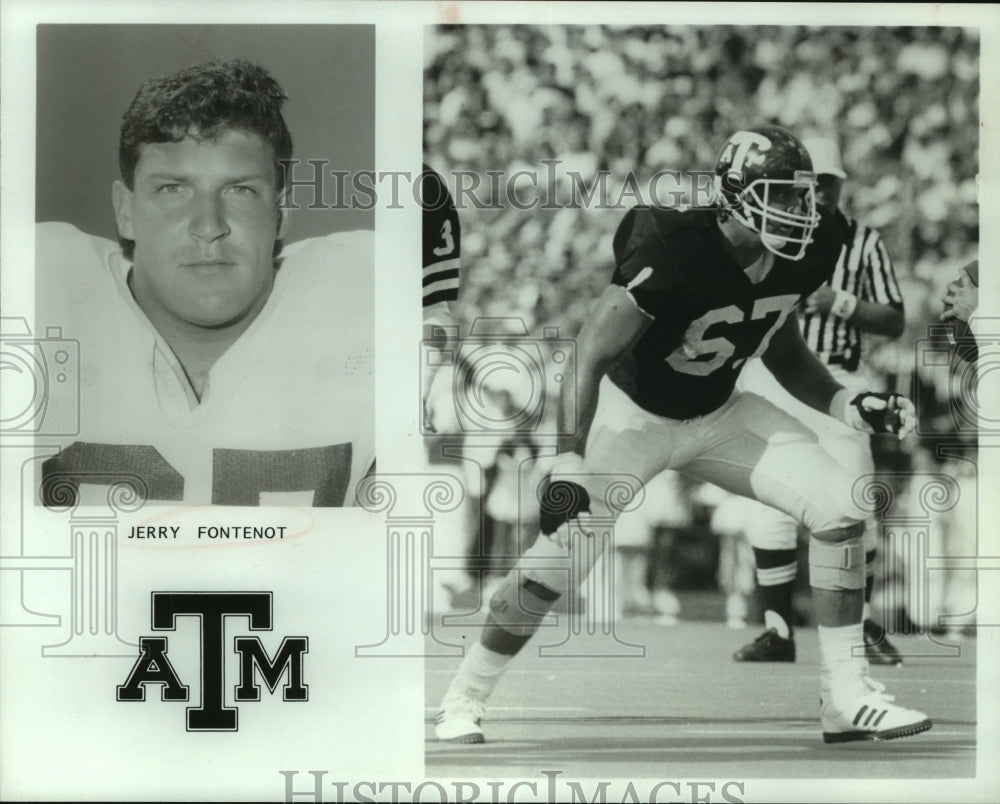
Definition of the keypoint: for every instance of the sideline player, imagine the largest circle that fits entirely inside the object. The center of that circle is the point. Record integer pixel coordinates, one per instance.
(441, 258)
(861, 296)
(215, 366)
(442, 249)
(694, 295)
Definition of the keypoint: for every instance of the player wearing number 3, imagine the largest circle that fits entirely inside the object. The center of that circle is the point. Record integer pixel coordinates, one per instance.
(442, 258)
(215, 366)
(694, 295)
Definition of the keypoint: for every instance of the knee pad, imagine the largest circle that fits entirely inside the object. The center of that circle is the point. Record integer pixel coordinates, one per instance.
(519, 604)
(837, 565)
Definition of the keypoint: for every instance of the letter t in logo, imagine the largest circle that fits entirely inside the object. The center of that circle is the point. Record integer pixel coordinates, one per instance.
(212, 608)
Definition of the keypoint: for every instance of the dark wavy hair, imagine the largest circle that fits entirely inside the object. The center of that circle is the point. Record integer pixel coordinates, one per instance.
(201, 102)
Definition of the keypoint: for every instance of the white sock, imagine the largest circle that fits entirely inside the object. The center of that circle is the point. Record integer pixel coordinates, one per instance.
(480, 671)
(839, 668)
(866, 612)
(774, 620)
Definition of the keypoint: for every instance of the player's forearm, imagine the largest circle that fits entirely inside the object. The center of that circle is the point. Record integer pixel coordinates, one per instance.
(798, 370)
(598, 349)
(878, 319)
(615, 324)
(578, 404)
(810, 383)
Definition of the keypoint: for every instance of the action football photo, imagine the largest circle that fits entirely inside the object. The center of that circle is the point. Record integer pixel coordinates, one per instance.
(697, 305)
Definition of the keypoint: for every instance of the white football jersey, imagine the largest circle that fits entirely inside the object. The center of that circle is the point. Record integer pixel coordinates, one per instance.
(288, 414)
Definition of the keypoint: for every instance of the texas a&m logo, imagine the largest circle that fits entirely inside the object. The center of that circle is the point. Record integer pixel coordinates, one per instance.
(213, 609)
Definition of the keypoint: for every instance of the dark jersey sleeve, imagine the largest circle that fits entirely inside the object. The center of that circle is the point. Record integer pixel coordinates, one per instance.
(640, 265)
(442, 240)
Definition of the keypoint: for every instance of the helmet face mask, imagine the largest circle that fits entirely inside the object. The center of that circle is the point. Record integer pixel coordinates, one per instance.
(784, 228)
(764, 180)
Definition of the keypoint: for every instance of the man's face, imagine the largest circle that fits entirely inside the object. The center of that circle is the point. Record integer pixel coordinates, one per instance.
(788, 200)
(793, 200)
(204, 216)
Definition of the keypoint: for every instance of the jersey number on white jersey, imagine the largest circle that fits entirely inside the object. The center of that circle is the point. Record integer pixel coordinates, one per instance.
(239, 476)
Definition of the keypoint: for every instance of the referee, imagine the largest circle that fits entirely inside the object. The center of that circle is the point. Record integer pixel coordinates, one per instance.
(861, 296)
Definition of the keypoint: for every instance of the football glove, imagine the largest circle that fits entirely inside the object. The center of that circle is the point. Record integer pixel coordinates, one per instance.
(562, 497)
(880, 413)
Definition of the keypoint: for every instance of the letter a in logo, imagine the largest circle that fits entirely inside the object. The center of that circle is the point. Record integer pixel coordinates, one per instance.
(152, 667)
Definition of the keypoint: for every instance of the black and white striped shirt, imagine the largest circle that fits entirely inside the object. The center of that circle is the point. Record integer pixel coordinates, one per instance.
(864, 269)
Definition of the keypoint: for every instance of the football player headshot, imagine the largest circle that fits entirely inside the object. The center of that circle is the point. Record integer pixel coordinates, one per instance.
(696, 293)
(218, 363)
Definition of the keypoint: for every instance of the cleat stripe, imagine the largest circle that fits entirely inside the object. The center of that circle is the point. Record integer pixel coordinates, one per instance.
(860, 714)
(879, 718)
(872, 714)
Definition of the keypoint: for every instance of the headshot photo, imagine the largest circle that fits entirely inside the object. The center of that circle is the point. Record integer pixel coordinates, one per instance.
(201, 290)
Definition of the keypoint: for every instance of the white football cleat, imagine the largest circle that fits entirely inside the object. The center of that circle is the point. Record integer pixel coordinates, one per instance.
(458, 719)
(870, 715)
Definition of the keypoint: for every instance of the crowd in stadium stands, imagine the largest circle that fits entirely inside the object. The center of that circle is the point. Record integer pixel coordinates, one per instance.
(577, 105)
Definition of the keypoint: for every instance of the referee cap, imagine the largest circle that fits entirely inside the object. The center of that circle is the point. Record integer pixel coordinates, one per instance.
(825, 156)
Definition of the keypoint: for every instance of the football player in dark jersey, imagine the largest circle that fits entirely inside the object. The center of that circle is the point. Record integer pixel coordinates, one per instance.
(694, 295)
(442, 250)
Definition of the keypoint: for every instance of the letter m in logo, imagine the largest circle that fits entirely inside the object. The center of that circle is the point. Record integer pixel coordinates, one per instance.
(254, 659)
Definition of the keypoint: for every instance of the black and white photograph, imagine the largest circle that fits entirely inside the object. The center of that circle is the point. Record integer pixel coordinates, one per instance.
(722, 519)
(499, 401)
(223, 334)
(188, 379)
